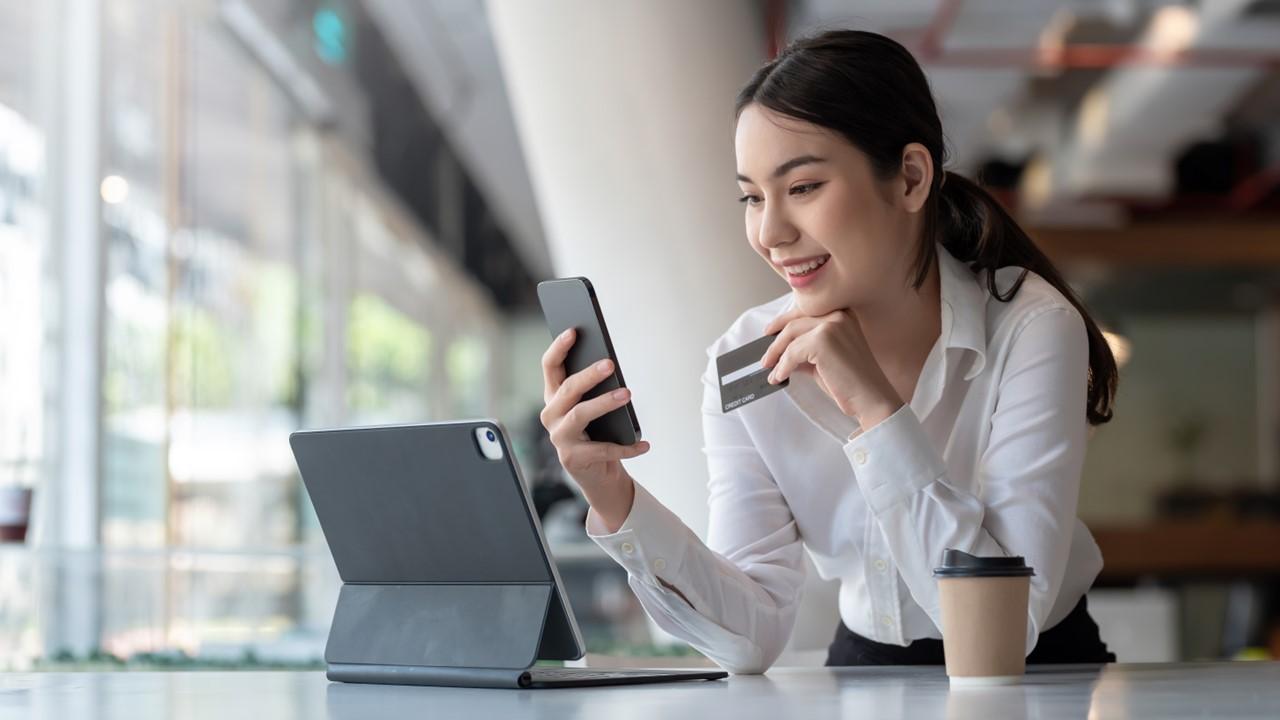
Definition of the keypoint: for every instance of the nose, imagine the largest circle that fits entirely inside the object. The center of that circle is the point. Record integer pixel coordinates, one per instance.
(776, 228)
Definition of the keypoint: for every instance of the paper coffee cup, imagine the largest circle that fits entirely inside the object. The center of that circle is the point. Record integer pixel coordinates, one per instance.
(984, 617)
(15, 513)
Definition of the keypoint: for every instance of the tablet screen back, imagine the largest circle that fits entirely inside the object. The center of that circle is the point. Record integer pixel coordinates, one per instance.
(419, 504)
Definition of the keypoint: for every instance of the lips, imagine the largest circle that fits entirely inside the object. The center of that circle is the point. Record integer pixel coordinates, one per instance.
(813, 270)
(806, 266)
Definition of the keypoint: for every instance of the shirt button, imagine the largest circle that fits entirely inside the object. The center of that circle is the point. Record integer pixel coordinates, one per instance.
(886, 620)
(628, 548)
(659, 564)
(860, 457)
(881, 565)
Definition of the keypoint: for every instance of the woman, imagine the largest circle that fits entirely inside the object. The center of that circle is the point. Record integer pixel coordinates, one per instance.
(942, 375)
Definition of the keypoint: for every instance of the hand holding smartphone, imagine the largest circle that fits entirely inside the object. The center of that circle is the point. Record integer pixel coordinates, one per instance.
(572, 303)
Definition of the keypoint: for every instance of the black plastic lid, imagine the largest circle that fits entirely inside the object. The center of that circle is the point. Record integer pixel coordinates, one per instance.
(956, 563)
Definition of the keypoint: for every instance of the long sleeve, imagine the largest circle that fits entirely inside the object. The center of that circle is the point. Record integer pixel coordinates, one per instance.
(1028, 476)
(743, 586)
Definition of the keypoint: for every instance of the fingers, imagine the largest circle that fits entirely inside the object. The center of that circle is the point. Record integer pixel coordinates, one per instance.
(553, 364)
(572, 389)
(589, 453)
(781, 321)
(566, 419)
(785, 338)
(776, 348)
(792, 356)
(574, 422)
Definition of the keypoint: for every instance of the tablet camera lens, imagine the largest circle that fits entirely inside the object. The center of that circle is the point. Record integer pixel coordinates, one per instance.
(487, 443)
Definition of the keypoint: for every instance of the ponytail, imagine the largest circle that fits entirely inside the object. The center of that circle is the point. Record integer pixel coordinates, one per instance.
(977, 230)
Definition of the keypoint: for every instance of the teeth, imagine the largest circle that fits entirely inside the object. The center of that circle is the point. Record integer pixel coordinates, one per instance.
(807, 267)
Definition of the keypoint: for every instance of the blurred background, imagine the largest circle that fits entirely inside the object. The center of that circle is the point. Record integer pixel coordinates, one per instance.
(224, 220)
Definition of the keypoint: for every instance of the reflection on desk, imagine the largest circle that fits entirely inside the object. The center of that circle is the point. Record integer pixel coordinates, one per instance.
(1184, 690)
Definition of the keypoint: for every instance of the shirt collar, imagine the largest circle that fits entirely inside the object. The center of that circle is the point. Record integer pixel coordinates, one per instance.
(965, 299)
(963, 309)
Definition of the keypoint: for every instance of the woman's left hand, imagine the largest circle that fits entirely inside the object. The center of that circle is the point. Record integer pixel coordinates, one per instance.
(832, 348)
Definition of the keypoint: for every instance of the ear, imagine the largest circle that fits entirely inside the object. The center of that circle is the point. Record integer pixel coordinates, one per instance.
(917, 176)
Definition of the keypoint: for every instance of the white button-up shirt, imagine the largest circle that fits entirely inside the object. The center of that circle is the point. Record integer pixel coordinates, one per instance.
(985, 458)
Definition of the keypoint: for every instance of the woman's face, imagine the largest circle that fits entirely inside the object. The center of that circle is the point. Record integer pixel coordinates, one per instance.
(811, 195)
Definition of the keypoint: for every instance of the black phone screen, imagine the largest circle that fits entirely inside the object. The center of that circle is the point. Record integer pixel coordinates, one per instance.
(572, 303)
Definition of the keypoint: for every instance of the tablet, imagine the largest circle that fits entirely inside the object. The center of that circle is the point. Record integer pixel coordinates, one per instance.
(447, 579)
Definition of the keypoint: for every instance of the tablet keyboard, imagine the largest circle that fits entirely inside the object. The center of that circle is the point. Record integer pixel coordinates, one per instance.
(550, 676)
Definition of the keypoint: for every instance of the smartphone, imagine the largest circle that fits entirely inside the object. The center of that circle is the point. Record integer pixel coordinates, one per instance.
(572, 303)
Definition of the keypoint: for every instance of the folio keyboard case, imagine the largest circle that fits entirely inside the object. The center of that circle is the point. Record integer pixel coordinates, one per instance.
(446, 578)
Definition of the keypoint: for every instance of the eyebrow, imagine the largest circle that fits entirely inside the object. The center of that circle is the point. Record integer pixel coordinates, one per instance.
(788, 166)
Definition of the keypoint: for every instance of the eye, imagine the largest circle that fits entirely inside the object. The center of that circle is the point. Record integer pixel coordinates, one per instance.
(749, 199)
(806, 188)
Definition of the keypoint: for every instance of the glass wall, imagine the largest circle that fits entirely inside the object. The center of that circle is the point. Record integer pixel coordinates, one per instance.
(24, 245)
(24, 303)
(257, 279)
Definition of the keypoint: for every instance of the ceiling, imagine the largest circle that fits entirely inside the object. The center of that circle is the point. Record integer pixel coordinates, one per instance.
(1083, 112)
(447, 51)
(1096, 103)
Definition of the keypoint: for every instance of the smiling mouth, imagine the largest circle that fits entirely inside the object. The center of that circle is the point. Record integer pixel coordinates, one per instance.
(806, 268)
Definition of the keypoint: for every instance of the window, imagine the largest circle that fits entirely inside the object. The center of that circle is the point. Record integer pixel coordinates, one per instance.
(256, 279)
(23, 252)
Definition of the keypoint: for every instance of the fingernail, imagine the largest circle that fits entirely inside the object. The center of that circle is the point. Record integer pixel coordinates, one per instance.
(602, 366)
(565, 334)
(620, 394)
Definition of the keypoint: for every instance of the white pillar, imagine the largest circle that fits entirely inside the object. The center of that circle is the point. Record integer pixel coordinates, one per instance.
(625, 112)
(70, 502)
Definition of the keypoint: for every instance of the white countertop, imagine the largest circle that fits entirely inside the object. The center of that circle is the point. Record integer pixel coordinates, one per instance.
(1184, 690)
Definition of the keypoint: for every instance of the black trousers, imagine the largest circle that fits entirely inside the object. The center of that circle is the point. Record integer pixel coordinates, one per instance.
(1074, 640)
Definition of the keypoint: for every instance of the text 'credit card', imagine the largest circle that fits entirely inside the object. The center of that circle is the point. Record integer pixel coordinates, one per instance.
(743, 378)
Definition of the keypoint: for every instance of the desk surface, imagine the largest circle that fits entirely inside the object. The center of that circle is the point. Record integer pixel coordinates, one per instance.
(1218, 690)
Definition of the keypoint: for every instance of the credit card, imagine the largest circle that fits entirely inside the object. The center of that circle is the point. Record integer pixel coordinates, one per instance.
(743, 379)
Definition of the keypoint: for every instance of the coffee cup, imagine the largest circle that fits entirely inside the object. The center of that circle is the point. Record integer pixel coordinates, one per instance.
(984, 617)
(15, 513)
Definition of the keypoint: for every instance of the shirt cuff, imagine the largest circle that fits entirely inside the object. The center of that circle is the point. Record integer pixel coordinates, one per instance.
(893, 460)
(651, 542)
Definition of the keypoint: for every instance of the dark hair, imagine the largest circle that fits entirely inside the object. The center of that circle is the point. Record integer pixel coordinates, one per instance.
(870, 89)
